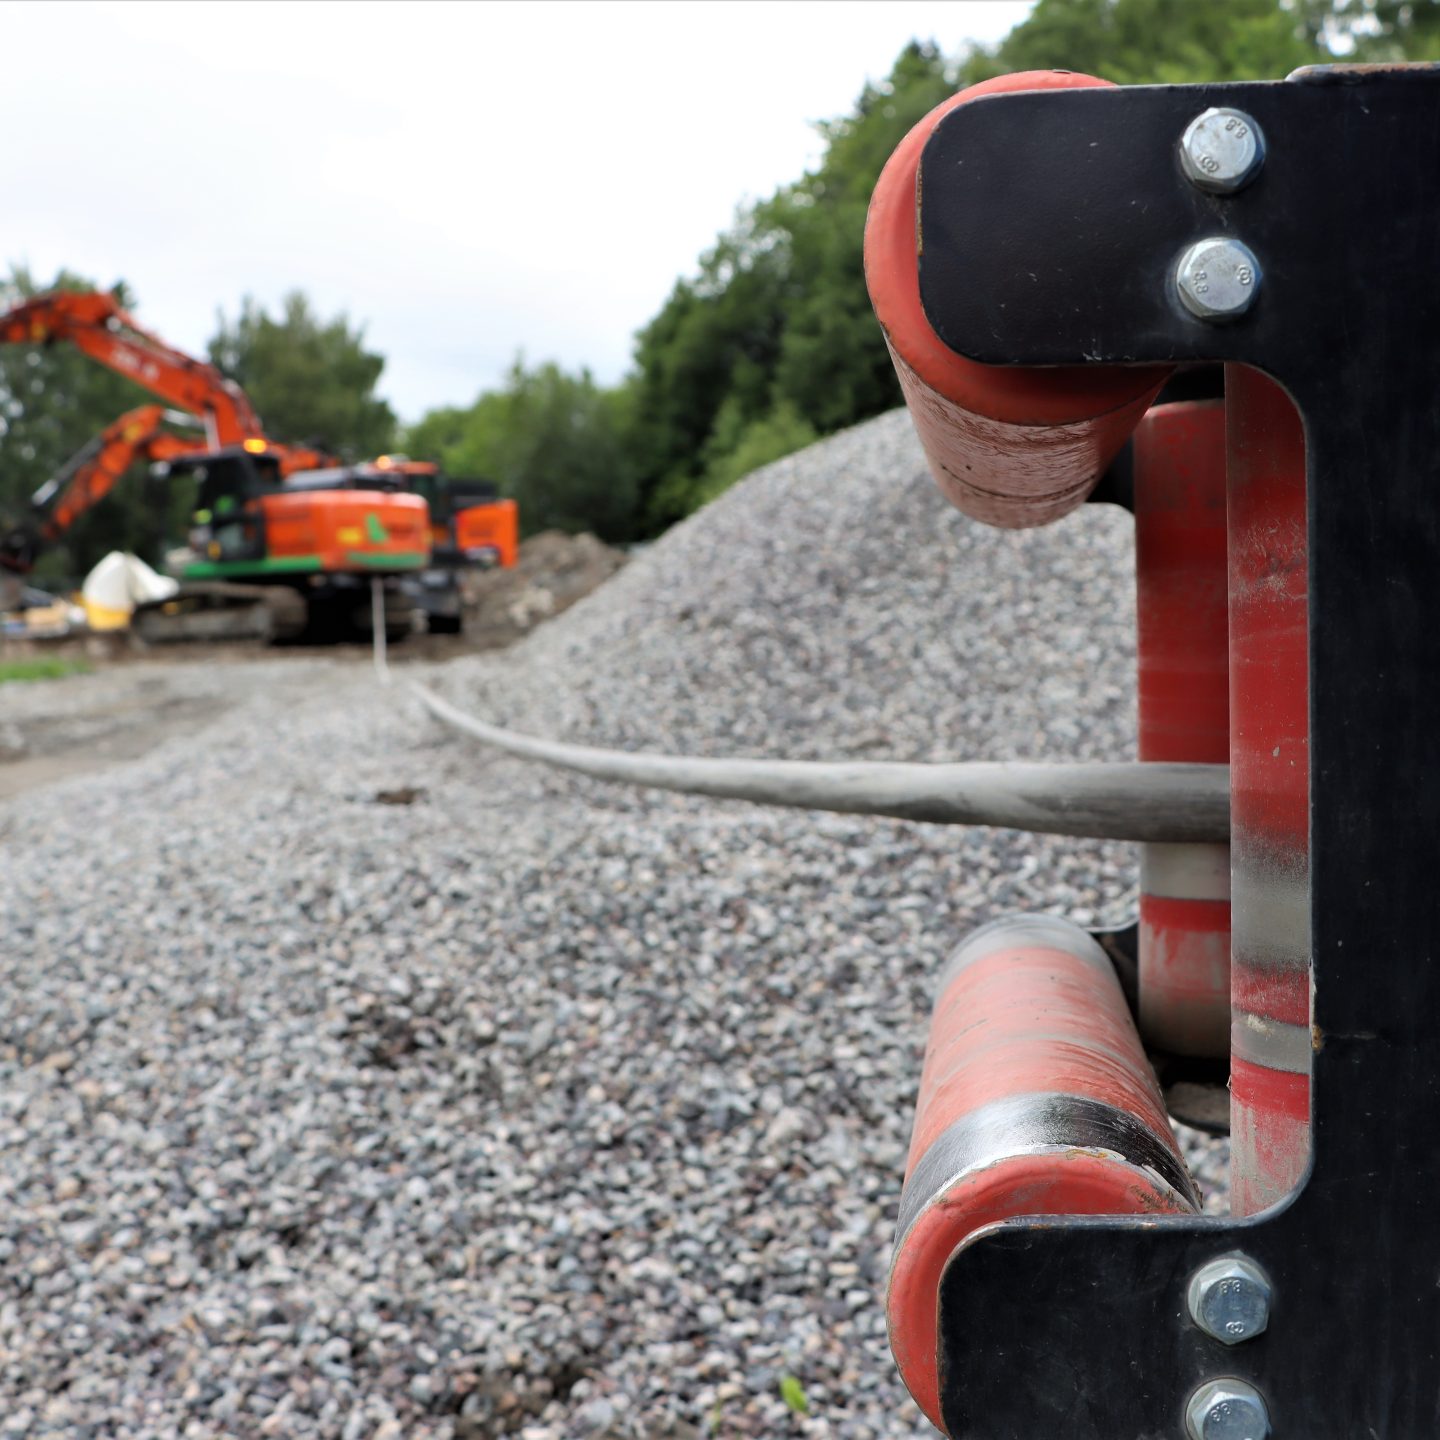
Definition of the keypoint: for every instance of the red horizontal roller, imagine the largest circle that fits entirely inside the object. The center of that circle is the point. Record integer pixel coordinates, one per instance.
(1010, 446)
(1036, 1099)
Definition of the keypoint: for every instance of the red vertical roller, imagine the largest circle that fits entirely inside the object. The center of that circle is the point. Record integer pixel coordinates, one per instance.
(1036, 1099)
(1270, 793)
(1008, 445)
(1183, 651)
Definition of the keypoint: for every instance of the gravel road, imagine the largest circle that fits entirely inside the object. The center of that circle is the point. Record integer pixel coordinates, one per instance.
(355, 1082)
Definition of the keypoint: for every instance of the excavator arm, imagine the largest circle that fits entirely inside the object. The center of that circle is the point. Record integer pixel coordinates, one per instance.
(97, 326)
(90, 475)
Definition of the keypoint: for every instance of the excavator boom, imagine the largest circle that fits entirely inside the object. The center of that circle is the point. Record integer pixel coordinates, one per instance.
(101, 328)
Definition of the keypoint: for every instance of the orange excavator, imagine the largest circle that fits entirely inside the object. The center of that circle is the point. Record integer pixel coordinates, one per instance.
(259, 550)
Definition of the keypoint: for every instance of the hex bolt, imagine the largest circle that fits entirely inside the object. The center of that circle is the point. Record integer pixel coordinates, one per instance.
(1217, 278)
(1227, 1409)
(1230, 1299)
(1222, 150)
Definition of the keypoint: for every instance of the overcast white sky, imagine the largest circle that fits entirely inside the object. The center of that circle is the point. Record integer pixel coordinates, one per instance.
(469, 180)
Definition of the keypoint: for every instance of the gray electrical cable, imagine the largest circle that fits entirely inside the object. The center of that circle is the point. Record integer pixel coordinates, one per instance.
(1144, 802)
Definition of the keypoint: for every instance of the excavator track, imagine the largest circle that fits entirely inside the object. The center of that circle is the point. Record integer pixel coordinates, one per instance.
(220, 610)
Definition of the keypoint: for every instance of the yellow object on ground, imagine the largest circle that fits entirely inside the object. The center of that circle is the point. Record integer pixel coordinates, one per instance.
(117, 585)
(99, 617)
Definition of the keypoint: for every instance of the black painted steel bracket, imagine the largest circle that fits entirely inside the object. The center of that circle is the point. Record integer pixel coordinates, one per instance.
(1051, 224)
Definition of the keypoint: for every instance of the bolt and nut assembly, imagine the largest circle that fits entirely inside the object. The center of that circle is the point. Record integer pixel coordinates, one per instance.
(1230, 1299)
(1218, 278)
(1227, 1409)
(1222, 150)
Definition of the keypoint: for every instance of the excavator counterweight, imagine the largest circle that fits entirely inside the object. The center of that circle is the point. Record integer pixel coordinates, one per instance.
(471, 527)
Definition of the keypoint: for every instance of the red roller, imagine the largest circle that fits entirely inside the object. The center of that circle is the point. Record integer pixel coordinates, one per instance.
(1036, 1099)
(1009, 446)
(1183, 652)
(1269, 793)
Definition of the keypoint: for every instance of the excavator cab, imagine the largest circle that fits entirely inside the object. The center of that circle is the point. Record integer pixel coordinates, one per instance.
(228, 522)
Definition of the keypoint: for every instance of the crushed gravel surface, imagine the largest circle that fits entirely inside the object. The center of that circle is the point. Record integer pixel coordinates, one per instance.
(357, 1082)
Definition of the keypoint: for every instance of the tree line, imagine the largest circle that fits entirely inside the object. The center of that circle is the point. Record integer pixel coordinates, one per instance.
(769, 345)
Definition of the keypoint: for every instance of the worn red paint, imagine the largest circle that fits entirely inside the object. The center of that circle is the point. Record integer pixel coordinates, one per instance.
(1277, 995)
(1270, 1116)
(1184, 706)
(1184, 974)
(1270, 774)
(1181, 583)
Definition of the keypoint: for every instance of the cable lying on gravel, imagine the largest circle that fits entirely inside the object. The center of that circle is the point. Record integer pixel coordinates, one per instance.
(1142, 802)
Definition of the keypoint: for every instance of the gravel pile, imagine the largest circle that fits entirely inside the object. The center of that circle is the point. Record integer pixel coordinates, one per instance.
(355, 1082)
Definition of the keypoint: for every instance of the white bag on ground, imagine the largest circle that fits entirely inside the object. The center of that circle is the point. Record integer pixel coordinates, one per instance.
(117, 585)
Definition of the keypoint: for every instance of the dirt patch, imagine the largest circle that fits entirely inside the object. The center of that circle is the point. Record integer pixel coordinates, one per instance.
(552, 572)
(32, 756)
(53, 729)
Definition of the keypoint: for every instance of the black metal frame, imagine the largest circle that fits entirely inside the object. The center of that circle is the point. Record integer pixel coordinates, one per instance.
(1052, 222)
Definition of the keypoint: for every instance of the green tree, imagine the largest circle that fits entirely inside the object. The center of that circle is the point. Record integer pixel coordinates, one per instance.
(736, 446)
(311, 380)
(777, 325)
(833, 366)
(1383, 29)
(53, 401)
(439, 432)
(776, 330)
(551, 440)
(717, 339)
(1146, 42)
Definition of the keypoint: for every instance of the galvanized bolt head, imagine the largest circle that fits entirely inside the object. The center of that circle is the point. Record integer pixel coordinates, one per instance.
(1227, 1409)
(1230, 1299)
(1222, 150)
(1218, 278)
